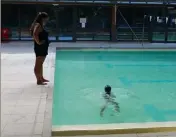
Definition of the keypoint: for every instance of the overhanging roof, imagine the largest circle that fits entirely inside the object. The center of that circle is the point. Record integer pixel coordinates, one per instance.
(143, 2)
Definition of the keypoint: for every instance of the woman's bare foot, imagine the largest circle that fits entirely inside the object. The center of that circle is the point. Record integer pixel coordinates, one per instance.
(41, 83)
(45, 80)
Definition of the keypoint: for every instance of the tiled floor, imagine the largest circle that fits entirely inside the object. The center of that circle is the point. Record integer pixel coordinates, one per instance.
(26, 107)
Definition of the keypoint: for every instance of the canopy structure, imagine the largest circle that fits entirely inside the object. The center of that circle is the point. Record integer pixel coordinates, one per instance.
(145, 2)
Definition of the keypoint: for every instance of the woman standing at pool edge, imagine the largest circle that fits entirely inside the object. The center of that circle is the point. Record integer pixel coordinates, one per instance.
(41, 44)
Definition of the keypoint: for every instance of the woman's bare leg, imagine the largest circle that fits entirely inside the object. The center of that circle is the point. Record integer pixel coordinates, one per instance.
(43, 79)
(37, 70)
(41, 71)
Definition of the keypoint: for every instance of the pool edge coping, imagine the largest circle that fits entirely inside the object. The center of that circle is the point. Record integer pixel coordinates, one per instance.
(121, 128)
(115, 48)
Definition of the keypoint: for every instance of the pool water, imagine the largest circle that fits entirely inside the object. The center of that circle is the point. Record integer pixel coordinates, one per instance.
(144, 84)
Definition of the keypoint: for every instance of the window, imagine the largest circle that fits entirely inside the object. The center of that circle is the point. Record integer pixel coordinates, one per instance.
(65, 23)
(27, 16)
(158, 24)
(97, 23)
(10, 20)
(171, 25)
(51, 26)
(125, 24)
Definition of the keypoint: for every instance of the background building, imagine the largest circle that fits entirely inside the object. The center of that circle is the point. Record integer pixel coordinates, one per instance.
(93, 20)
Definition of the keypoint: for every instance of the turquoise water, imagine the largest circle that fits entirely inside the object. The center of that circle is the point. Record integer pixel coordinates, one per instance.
(143, 82)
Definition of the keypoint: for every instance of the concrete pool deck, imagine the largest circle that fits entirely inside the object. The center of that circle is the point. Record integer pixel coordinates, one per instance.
(26, 108)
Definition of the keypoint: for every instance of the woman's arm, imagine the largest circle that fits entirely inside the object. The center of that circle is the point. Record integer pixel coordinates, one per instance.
(37, 30)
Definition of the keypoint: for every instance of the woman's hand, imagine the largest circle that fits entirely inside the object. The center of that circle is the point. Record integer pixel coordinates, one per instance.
(42, 42)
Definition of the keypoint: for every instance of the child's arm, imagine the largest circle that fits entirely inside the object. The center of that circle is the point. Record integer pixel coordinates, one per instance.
(117, 108)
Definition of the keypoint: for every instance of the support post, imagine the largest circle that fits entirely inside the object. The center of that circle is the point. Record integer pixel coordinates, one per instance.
(19, 23)
(166, 24)
(74, 22)
(113, 24)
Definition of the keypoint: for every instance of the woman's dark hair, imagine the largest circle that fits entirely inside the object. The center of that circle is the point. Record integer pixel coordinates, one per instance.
(39, 18)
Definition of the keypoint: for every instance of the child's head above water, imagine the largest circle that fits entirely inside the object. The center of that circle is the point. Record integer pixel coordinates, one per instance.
(107, 89)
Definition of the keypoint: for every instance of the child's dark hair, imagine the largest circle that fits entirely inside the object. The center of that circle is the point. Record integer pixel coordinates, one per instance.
(38, 19)
(107, 89)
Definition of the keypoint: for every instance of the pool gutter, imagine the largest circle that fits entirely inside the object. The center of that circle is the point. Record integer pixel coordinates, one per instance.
(105, 48)
(105, 129)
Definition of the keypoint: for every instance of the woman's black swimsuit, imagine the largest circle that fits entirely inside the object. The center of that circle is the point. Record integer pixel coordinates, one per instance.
(42, 50)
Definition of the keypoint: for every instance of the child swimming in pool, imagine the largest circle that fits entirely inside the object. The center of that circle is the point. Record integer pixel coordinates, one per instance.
(109, 98)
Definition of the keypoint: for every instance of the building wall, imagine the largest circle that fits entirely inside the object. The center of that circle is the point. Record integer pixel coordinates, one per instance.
(133, 23)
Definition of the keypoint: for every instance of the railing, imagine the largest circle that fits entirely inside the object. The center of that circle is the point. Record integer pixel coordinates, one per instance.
(125, 34)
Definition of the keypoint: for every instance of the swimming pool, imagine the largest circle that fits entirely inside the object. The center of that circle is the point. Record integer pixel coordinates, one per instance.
(144, 83)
